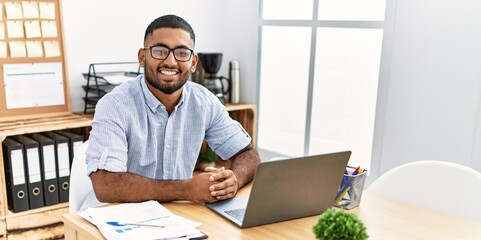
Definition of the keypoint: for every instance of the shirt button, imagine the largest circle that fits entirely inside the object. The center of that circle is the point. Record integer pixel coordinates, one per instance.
(168, 146)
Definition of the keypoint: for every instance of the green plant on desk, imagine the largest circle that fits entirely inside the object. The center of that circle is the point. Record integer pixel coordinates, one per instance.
(339, 225)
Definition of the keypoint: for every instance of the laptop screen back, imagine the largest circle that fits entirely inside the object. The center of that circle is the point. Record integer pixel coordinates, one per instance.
(293, 188)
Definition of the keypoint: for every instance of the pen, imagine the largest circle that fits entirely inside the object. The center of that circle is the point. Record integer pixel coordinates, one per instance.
(345, 182)
(134, 224)
(360, 171)
(356, 170)
(346, 186)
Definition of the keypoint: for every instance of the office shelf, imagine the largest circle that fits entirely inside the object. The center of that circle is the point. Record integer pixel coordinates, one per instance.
(44, 222)
(103, 78)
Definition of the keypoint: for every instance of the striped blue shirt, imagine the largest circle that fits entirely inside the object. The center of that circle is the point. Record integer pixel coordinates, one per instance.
(132, 132)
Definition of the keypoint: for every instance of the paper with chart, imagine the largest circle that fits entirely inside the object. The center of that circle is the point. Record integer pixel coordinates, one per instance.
(150, 213)
(33, 85)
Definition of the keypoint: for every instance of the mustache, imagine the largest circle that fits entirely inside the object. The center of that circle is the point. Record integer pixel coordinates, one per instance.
(169, 67)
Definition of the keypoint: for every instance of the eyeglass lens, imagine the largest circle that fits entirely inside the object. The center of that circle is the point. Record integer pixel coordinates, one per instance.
(180, 54)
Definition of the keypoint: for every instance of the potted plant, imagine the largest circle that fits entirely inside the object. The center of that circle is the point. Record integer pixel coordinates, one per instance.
(339, 225)
(207, 158)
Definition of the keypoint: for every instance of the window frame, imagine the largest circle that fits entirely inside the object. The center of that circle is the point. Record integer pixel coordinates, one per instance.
(314, 24)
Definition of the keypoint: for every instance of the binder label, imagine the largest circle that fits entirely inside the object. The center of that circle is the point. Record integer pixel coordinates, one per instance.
(63, 160)
(49, 162)
(18, 171)
(76, 146)
(33, 165)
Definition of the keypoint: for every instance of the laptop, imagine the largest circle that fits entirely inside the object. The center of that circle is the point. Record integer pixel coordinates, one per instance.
(287, 189)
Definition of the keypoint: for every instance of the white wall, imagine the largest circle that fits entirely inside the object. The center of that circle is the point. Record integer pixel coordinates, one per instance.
(434, 86)
(112, 31)
(433, 93)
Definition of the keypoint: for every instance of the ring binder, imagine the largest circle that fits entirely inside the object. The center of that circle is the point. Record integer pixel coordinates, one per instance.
(15, 175)
(34, 180)
(48, 168)
(75, 141)
(63, 164)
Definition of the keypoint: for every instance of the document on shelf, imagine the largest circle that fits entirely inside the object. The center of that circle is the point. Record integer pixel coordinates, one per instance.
(145, 220)
(117, 79)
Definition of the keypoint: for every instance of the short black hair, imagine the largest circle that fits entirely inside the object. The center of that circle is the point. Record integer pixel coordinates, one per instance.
(169, 21)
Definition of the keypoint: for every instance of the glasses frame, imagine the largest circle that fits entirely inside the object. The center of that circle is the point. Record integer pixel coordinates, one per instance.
(171, 50)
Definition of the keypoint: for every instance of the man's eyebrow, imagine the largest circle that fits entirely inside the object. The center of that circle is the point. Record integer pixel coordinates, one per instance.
(164, 45)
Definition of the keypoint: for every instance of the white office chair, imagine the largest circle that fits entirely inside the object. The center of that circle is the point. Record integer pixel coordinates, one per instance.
(80, 183)
(442, 186)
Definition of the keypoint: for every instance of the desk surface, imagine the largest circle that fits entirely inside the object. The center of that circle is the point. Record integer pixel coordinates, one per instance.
(384, 219)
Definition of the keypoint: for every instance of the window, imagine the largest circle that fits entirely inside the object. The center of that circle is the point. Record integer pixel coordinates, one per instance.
(319, 73)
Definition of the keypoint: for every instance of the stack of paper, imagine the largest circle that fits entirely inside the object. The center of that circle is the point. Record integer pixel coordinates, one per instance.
(117, 79)
(146, 220)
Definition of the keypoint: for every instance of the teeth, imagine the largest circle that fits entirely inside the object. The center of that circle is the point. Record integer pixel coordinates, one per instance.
(168, 72)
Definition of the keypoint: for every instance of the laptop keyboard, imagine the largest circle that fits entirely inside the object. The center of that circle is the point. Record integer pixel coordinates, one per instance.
(237, 213)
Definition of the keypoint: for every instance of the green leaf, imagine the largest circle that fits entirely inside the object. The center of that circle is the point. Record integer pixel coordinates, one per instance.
(339, 225)
(207, 155)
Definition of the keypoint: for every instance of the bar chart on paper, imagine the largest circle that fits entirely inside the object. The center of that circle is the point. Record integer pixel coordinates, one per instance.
(145, 220)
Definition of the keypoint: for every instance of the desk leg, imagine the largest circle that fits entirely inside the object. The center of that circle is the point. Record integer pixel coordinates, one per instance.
(70, 233)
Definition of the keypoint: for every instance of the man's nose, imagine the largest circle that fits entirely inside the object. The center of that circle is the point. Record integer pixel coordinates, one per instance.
(170, 58)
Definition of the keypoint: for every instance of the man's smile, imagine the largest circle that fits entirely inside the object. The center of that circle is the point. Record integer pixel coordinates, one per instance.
(169, 72)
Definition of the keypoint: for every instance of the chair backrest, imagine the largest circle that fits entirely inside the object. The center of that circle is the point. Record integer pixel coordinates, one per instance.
(442, 186)
(80, 183)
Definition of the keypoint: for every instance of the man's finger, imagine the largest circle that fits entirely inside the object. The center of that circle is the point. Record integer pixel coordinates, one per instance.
(221, 175)
(214, 169)
(230, 195)
(226, 191)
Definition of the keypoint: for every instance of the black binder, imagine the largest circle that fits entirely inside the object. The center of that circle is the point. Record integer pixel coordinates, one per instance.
(34, 177)
(75, 141)
(63, 164)
(15, 175)
(48, 167)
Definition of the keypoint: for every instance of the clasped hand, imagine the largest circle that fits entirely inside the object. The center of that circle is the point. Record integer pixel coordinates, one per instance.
(213, 185)
(224, 183)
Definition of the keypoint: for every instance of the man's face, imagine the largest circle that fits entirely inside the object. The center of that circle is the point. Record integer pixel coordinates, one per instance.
(168, 75)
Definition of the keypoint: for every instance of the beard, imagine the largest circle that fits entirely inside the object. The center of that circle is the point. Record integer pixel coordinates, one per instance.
(167, 89)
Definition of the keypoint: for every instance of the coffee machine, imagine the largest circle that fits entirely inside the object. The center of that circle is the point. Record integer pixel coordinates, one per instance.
(218, 85)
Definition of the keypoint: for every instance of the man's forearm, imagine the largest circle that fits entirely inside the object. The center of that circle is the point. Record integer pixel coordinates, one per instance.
(244, 165)
(127, 187)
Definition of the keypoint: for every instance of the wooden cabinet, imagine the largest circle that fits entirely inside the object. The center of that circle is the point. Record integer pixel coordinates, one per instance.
(40, 223)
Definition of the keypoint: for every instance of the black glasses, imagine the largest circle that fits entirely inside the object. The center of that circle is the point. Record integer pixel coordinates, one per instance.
(181, 54)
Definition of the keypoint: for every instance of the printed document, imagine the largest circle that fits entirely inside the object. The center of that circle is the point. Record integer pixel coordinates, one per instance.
(130, 220)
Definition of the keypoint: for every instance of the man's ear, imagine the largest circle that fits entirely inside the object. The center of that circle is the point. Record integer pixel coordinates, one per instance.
(195, 59)
(141, 56)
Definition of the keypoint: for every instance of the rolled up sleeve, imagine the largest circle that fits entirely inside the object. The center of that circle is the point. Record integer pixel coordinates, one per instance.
(226, 136)
(108, 145)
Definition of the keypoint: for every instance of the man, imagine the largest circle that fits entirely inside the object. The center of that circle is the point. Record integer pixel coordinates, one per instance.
(147, 133)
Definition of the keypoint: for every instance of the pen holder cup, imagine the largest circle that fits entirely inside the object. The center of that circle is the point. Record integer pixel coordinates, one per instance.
(350, 191)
